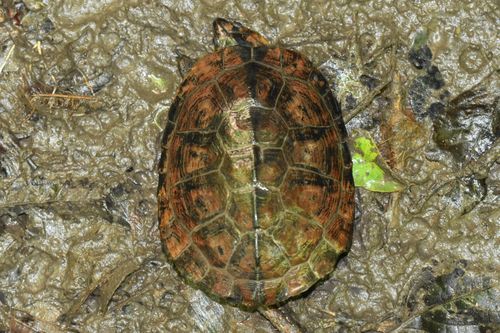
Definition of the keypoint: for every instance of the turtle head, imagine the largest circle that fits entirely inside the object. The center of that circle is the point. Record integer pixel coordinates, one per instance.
(229, 33)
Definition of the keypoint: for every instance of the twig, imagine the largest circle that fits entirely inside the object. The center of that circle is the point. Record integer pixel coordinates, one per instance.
(63, 96)
(366, 101)
(282, 321)
(9, 54)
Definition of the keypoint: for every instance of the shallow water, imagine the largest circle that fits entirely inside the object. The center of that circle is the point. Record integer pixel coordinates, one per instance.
(85, 87)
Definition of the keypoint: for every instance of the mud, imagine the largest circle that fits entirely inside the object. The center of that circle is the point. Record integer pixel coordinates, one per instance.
(84, 91)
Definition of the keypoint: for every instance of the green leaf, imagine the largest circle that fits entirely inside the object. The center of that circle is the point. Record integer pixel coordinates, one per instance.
(366, 172)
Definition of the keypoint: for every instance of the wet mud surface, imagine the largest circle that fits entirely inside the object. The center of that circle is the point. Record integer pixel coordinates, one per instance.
(84, 91)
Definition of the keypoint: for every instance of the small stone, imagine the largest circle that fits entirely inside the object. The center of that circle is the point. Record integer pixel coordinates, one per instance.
(435, 109)
(434, 78)
(420, 57)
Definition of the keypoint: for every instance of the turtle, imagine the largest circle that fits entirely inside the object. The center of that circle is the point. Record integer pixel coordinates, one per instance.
(255, 193)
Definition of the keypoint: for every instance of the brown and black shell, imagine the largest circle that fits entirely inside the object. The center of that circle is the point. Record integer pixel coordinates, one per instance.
(256, 196)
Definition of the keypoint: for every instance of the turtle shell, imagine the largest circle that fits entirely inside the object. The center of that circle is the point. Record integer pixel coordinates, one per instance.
(256, 195)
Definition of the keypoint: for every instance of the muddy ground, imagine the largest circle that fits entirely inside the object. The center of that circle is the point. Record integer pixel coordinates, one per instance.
(85, 88)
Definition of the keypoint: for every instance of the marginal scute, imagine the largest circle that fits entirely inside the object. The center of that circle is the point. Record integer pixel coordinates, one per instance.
(296, 65)
(319, 82)
(334, 108)
(192, 264)
(219, 282)
(298, 279)
(347, 206)
(274, 291)
(323, 259)
(175, 235)
(235, 56)
(165, 138)
(165, 212)
(173, 112)
(347, 161)
(339, 231)
(248, 292)
(270, 56)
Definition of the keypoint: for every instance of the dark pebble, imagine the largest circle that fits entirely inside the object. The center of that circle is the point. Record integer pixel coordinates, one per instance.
(435, 109)
(421, 57)
(434, 79)
(418, 94)
(47, 26)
